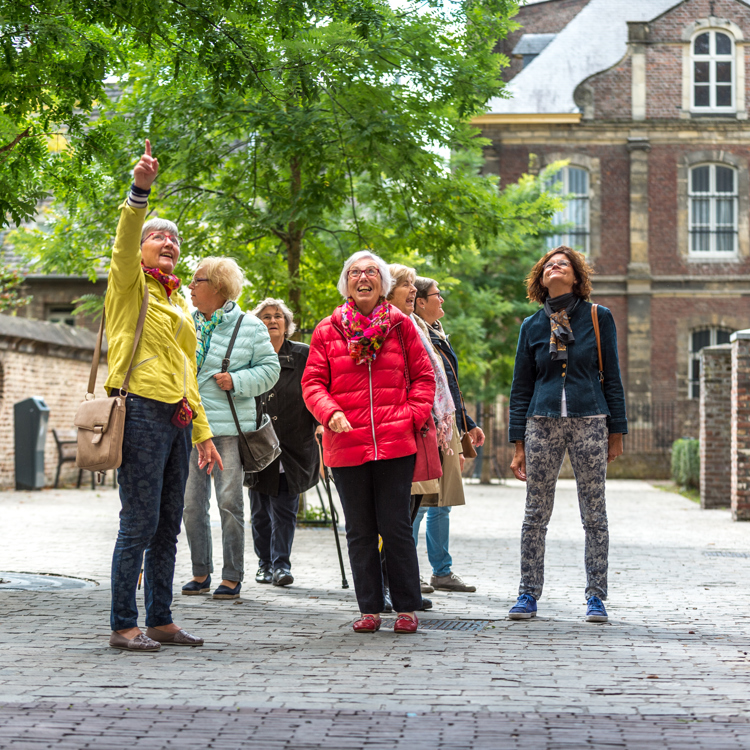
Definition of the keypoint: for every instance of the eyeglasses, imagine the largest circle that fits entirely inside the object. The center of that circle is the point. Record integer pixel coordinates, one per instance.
(195, 281)
(558, 263)
(371, 272)
(438, 294)
(269, 317)
(160, 237)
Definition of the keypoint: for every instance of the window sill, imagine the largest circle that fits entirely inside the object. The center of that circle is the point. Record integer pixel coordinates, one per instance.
(714, 258)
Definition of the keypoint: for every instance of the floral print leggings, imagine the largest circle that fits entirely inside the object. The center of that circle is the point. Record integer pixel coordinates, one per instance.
(586, 440)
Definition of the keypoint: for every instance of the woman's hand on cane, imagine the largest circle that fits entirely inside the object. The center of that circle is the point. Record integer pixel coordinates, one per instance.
(518, 464)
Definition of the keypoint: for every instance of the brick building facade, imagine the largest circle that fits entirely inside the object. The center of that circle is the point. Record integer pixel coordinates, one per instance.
(647, 101)
(51, 361)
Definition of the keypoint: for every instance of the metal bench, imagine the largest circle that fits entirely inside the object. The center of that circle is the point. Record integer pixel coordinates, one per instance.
(66, 442)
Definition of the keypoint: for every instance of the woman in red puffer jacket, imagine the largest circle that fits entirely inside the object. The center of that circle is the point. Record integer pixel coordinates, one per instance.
(369, 382)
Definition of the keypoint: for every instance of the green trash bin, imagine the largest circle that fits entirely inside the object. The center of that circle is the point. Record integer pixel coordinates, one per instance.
(30, 418)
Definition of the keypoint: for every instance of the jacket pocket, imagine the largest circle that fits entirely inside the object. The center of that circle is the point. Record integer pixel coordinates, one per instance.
(144, 361)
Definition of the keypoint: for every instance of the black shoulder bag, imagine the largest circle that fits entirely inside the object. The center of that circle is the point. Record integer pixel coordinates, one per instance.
(260, 447)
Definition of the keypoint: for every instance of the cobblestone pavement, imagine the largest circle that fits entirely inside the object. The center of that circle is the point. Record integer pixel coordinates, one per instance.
(282, 668)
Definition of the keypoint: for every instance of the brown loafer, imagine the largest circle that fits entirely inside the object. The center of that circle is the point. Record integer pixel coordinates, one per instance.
(180, 638)
(141, 643)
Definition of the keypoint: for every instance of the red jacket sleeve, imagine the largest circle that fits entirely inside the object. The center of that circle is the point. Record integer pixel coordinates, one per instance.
(316, 379)
(422, 391)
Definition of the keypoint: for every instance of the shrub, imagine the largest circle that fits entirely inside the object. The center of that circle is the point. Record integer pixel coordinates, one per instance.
(686, 462)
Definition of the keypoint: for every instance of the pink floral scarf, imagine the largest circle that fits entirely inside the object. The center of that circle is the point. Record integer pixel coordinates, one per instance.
(365, 334)
(168, 280)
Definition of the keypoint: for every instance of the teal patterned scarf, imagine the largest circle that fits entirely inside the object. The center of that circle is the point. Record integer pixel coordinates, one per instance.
(204, 327)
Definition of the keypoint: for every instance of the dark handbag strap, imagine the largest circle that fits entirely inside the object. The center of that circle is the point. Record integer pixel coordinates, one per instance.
(461, 395)
(595, 321)
(225, 368)
(136, 339)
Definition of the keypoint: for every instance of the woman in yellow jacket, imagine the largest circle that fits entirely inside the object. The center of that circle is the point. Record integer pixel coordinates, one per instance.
(163, 413)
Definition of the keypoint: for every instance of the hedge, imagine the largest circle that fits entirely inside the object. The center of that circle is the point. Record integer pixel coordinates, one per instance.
(686, 462)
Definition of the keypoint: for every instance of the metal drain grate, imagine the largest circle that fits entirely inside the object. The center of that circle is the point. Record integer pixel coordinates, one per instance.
(722, 553)
(473, 626)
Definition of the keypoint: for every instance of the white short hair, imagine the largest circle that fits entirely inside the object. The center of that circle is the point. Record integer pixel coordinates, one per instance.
(291, 327)
(160, 225)
(386, 280)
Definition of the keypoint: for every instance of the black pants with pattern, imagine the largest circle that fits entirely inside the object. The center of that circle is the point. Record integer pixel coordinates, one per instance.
(586, 440)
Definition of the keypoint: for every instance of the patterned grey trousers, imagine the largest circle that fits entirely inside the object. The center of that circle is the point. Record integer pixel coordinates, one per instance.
(586, 440)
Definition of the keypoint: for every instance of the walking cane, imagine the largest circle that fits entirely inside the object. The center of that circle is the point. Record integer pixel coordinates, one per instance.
(344, 582)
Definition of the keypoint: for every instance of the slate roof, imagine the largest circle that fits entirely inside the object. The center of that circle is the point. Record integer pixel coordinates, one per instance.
(57, 334)
(593, 41)
(532, 44)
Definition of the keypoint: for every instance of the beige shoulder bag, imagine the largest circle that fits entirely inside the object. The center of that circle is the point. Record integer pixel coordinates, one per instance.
(101, 421)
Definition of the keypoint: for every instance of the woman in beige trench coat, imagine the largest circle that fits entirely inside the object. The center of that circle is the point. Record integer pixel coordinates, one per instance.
(439, 495)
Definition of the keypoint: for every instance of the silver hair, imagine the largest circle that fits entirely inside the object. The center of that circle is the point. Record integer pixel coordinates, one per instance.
(160, 225)
(291, 326)
(386, 279)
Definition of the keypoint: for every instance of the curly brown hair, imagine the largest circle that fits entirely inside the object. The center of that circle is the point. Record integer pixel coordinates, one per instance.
(583, 271)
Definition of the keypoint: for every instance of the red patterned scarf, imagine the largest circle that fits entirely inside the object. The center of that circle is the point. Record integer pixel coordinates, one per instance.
(168, 280)
(365, 334)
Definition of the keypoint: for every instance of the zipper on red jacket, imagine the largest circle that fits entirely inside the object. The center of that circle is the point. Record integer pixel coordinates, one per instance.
(372, 410)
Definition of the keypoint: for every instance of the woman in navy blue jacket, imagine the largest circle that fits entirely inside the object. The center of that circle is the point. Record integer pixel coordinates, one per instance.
(558, 402)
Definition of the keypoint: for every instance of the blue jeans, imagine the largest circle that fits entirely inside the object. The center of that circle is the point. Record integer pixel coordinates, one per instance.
(231, 500)
(437, 531)
(273, 519)
(152, 477)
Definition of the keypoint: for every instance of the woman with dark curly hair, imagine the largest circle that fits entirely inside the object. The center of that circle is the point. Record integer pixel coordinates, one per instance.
(564, 397)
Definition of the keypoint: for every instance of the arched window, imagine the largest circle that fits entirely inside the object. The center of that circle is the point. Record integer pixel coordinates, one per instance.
(573, 220)
(699, 339)
(713, 72)
(712, 199)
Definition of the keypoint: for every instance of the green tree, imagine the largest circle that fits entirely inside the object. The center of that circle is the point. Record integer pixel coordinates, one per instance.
(330, 143)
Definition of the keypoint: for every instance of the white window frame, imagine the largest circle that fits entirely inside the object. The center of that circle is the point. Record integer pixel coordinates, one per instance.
(713, 196)
(563, 217)
(694, 357)
(734, 32)
(712, 58)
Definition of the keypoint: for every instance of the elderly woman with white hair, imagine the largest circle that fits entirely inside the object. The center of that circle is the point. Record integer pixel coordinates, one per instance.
(370, 384)
(163, 416)
(253, 369)
(274, 498)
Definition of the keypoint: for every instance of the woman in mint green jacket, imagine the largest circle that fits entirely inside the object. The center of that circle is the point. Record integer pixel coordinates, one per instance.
(253, 370)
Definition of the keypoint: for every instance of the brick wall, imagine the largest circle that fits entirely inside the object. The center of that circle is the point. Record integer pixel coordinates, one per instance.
(615, 191)
(612, 92)
(715, 426)
(60, 378)
(664, 54)
(741, 426)
(548, 17)
(664, 255)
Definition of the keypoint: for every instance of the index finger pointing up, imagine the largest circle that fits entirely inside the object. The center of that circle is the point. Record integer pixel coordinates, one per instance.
(148, 147)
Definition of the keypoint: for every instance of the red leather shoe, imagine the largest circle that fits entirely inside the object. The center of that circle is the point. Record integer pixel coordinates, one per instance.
(367, 624)
(405, 624)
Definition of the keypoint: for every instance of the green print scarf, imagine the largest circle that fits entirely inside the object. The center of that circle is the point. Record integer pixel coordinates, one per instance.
(204, 327)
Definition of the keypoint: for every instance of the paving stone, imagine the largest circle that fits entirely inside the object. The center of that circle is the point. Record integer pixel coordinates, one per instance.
(665, 668)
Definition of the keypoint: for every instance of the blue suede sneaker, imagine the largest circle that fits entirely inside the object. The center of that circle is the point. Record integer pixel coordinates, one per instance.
(595, 611)
(524, 608)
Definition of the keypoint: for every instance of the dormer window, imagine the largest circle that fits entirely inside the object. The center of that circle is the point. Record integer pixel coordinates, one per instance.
(530, 46)
(713, 72)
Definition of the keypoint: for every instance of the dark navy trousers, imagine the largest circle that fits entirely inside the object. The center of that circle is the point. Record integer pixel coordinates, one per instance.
(152, 477)
(273, 519)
